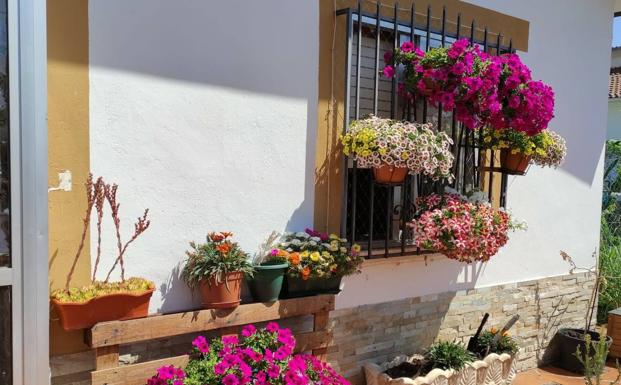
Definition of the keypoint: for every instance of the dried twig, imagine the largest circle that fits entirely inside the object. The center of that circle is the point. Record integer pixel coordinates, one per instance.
(100, 198)
(140, 226)
(90, 200)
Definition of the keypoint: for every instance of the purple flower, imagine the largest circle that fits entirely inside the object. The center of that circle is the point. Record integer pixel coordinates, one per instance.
(407, 46)
(201, 344)
(389, 71)
(230, 340)
(273, 371)
(249, 330)
(388, 57)
(230, 379)
(272, 327)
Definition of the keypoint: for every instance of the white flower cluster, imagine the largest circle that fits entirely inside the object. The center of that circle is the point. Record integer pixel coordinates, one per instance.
(375, 141)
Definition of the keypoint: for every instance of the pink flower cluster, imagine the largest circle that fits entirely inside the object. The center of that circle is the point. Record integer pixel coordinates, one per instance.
(485, 90)
(261, 357)
(461, 230)
(167, 375)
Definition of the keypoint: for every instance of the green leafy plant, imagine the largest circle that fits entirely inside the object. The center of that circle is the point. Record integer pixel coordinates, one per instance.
(595, 362)
(448, 355)
(505, 344)
(215, 259)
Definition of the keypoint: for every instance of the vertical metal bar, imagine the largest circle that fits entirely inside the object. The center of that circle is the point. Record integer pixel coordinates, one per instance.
(354, 201)
(427, 38)
(370, 245)
(358, 57)
(404, 210)
(492, 154)
(480, 173)
(346, 114)
(443, 40)
(378, 30)
(393, 91)
(456, 143)
(389, 197)
(413, 40)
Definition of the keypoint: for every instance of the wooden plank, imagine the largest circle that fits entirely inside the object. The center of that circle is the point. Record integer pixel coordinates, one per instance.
(137, 374)
(107, 357)
(320, 324)
(123, 332)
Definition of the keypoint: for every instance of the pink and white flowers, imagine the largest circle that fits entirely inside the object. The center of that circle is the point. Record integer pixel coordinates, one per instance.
(375, 141)
(260, 357)
(465, 229)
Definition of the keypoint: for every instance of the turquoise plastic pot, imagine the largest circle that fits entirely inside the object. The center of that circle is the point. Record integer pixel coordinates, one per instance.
(267, 282)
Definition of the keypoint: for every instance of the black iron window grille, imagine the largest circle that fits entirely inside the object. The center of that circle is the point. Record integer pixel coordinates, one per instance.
(375, 215)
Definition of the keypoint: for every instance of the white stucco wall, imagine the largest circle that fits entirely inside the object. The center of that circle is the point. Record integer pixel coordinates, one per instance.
(213, 127)
(204, 112)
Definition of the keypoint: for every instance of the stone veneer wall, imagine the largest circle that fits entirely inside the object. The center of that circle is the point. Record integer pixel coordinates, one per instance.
(378, 332)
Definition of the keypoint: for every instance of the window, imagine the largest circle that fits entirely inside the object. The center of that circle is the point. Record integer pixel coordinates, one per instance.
(375, 215)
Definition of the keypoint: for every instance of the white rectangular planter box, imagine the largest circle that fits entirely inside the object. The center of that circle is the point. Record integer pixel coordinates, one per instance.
(492, 370)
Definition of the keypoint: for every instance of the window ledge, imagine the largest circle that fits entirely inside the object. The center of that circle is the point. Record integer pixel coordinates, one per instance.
(425, 258)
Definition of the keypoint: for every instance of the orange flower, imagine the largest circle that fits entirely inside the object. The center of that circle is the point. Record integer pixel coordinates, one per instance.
(216, 237)
(493, 330)
(294, 258)
(305, 273)
(283, 253)
(224, 248)
(227, 234)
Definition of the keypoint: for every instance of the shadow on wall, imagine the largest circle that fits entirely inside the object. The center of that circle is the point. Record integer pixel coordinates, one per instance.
(229, 35)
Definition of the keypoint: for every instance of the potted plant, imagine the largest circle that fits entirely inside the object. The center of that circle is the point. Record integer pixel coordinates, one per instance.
(518, 149)
(259, 356)
(270, 265)
(82, 307)
(593, 359)
(571, 340)
(317, 262)
(444, 363)
(217, 268)
(465, 228)
(394, 148)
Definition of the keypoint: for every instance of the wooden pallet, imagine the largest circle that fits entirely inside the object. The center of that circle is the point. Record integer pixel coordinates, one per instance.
(614, 331)
(106, 337)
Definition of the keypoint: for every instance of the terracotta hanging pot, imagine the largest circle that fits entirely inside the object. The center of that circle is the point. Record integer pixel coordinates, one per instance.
(513, 164)
(389, 174)
(109, 307)
(222, 295)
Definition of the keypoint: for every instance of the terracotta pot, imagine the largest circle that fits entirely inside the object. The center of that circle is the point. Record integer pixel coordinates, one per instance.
(223, 295)
(109, 307)
(389, 174)
(514, 164)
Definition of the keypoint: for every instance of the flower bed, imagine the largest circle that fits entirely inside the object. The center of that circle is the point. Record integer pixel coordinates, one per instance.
(260, 357)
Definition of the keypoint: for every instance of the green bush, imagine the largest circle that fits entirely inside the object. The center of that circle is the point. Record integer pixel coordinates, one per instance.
(448, 355)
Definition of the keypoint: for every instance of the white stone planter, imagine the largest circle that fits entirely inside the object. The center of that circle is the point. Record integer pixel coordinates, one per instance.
(492, 370)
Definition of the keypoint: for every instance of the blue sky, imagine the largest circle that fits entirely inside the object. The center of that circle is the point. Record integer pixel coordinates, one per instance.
(616, 32)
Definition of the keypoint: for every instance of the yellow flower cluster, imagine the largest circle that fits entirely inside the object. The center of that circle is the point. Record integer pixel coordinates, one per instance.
(363, 142)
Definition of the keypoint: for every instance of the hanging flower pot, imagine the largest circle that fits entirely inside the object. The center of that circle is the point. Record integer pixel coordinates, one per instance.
(225, 294)
(395, 148)
(389, 174)
(514, 163)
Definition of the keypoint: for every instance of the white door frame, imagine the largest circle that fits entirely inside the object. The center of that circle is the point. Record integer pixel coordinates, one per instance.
(29, 202)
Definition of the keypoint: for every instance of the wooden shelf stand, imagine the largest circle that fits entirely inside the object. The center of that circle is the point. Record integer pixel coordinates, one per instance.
(106, 337)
